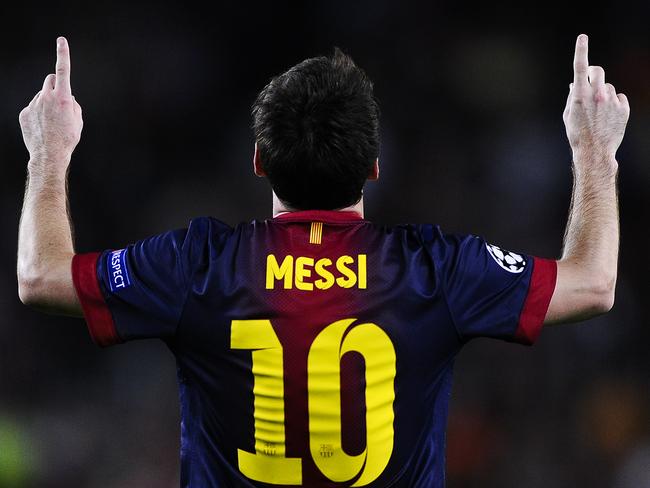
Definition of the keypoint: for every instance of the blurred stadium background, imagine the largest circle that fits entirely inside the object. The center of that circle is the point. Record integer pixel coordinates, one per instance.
(472, 139)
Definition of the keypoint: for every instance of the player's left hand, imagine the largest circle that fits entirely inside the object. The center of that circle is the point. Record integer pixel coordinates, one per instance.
(595, 115)
(52, 122)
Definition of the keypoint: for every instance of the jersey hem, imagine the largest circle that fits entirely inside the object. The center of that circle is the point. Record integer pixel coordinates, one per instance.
(96, 312)
(540, 291)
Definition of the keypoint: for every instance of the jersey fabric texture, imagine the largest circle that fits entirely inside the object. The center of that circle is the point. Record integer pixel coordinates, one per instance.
(315, 348)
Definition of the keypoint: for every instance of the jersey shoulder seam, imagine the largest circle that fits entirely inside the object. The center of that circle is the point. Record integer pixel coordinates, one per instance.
(443, 286)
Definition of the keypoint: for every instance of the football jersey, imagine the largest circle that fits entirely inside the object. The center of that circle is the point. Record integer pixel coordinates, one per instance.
(315, 348)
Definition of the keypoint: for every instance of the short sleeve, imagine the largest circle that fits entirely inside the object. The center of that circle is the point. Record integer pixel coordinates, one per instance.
(492, 292)
(139, 291)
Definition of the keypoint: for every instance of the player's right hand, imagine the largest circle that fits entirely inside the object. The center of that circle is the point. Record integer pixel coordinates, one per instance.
(595, 115)
(52, 122)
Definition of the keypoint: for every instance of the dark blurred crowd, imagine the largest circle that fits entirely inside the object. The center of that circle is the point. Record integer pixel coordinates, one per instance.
(472, 139)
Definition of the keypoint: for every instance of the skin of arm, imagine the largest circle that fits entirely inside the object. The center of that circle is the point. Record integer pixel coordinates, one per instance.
(595, 118)
(51, 125)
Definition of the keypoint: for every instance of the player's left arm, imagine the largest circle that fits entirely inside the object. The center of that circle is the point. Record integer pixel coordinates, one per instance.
(51, 125)
(595, 118)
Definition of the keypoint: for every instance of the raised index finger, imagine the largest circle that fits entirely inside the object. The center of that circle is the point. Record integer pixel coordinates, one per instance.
(580, 61)
(62, 83)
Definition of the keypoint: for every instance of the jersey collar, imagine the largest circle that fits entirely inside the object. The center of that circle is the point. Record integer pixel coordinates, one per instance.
(320, 216)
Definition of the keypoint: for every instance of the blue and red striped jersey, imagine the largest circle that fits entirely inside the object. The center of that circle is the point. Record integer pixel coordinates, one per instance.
(315, 348)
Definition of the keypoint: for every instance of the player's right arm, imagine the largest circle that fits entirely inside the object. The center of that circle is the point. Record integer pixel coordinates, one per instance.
(51, 125)
(595, 118)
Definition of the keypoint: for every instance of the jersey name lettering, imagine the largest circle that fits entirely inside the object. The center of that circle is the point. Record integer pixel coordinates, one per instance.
(301, 272)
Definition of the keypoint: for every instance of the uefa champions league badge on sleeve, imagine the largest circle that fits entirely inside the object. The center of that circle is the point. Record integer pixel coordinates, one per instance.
(510, 261)
(118, 273)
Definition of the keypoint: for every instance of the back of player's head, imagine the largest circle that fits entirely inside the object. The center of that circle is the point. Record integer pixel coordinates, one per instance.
(317, 132)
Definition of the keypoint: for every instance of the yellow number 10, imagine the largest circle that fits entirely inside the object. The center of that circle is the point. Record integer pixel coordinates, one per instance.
(269, 463)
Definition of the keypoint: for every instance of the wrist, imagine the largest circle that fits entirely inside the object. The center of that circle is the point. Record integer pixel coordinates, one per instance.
(48, 164)
(49, 160)
(48, 174)
(594, 163)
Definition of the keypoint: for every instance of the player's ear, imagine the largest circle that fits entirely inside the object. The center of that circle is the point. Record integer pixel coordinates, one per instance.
(257, 163)
(374, 171)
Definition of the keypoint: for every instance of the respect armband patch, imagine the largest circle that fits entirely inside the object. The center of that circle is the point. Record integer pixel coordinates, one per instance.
(117, 269)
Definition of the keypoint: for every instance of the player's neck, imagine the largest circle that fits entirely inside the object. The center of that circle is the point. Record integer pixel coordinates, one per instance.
(279, 207)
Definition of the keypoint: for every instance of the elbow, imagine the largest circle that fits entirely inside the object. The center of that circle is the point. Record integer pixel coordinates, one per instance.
(603, 294)
(31, 289)
(581, 292)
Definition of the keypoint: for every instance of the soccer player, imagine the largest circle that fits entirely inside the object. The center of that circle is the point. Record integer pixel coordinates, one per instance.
(316, 348)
